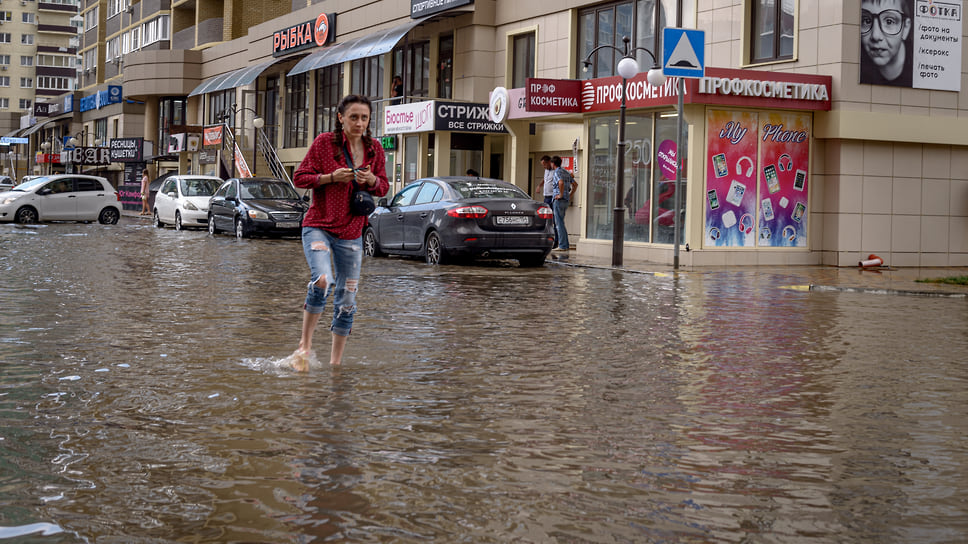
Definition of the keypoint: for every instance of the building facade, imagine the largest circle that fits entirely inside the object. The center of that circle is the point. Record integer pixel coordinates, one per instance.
(793, 148)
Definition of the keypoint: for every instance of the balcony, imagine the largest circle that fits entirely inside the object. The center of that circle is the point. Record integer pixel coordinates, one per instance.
(59, 8)
(58, 29)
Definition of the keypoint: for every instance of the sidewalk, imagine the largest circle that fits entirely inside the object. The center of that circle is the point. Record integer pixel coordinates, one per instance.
(880, 280)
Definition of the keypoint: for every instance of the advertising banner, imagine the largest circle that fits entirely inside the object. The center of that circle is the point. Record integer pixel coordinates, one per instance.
(404, 118)
(127, 149)
(784, 178)
(241, 167)
(730, 199)
(212, 135)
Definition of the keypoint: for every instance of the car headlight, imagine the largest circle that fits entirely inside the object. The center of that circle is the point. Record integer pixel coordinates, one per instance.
(256, 214)
(190, 206)
(10, 199)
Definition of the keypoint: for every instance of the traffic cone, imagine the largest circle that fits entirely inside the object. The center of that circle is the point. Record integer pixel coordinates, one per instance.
(872, 260)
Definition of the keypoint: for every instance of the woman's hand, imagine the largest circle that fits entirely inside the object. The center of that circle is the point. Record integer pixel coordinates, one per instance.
(365, 177)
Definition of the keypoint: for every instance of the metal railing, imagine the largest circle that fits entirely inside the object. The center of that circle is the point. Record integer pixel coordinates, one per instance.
(268, 152)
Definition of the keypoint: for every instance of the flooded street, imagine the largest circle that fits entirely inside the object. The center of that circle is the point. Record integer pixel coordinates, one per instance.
(142, 400)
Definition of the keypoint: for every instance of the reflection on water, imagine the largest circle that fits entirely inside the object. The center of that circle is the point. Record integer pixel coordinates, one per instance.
(145, 398)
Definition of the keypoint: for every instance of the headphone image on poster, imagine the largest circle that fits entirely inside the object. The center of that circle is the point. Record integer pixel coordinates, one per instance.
(785, 167)
(790, 233)
(745, 223)
(739, 166)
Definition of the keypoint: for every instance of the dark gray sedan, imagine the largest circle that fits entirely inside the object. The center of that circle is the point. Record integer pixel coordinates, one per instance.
(248, 206)
(442, 218)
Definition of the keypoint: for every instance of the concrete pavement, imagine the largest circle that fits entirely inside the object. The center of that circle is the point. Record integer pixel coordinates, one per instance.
(880, 280)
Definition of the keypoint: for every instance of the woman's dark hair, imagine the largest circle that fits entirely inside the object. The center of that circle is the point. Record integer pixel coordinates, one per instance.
(338, 131)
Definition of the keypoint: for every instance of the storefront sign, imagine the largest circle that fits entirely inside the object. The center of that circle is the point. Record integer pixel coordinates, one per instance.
(126, 149)
(423, 8)
(465, 117)
(405, 118)
(315, 33)
(553, 95)
(212, 135)
(388, 143)
(722, 86)
(11, 140)
(87, 156)
(41, 109)
(207, 156)
(96, 101)
(48, 158)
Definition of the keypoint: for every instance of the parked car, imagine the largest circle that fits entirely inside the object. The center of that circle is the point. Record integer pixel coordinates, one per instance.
(6, 183)
(182, 201)
(443, 217)
(260, 205)
(62, 197)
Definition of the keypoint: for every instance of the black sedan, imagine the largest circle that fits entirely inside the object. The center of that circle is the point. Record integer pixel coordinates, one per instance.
(447, 217)
(250, 206)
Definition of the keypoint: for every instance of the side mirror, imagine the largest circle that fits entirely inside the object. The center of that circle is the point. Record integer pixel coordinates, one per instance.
(382, 202)
(172, 194)
(44, 191)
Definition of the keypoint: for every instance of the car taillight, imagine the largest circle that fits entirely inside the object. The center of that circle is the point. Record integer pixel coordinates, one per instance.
(468, 212)
(544, 212)
(117, 195)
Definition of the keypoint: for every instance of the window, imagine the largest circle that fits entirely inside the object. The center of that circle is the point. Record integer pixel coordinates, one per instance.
(416, 71)
(26, 60)
(4, 37)
(90, 18)
(30, 18)
(129, 41)
(26, 83)
(219, 104)
(26, 104)
(329, 86)
(56, 61)
(773, 28)
(6, 16)
(113, 49)
(4, 103)
(53, 83)
(445, 76)
(26, 39)
(297, 110)
(90, 60)
(609, 23)
(4, 81)
(5, 60)
(172, 112)
(522, 59)
(115, 7)
(155, 30)
(366, 77)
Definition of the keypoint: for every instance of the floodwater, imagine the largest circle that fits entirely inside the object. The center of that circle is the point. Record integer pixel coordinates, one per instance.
(142, 400)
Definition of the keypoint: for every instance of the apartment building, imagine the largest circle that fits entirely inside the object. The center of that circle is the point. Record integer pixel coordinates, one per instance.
(38, 63)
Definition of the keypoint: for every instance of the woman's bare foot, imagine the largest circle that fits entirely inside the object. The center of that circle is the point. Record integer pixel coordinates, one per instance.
(300, 360)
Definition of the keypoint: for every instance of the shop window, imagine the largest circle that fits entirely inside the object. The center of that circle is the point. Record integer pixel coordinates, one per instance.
(649, 190)
(522, 59)
(445, 75)
(366, 77)
(329, 87)
(416, 68)
(297, 111)
(269, 108)
(219, 105)
(607, 24)
(773, 24)
(172, 112)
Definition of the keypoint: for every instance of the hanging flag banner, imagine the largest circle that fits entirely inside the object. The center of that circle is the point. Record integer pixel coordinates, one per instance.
(240, 165)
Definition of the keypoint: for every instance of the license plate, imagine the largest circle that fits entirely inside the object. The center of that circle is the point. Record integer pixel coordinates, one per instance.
(287, 224)
(512, 220)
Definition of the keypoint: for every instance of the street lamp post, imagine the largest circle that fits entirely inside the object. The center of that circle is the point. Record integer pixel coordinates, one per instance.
(46, 149)
(627, 68)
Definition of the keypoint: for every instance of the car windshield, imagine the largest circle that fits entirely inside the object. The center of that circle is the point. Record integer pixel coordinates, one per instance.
(268, 190)
(29, 185)
(485, 189)
(198, 186)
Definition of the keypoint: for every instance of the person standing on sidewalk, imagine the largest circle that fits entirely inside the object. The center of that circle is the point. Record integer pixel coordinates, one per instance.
(331, 234)
(547, 190)
(145, 185)
(563, 186)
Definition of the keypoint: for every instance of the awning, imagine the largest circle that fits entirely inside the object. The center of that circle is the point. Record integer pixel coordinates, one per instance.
(377, 43)
(12, 133)
(231, 80)
(36, 127)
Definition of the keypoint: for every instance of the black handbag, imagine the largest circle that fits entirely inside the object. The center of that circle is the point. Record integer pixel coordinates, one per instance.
(361, 201)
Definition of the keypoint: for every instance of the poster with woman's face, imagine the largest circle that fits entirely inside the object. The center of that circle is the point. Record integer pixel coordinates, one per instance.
(911, 43)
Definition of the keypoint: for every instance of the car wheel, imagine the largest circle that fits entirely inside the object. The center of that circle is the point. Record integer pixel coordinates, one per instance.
(26, 215)
(212, 229)
(178, 221)
(240, 231)
(434, 250)
(157, 220)
(109, 216)
(531, 261)
(371, 248)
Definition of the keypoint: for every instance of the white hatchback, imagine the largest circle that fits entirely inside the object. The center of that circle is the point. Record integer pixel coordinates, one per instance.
(62, 197)
(182, 201)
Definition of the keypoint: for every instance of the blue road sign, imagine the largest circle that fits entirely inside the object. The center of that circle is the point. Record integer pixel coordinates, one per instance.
(683, 52)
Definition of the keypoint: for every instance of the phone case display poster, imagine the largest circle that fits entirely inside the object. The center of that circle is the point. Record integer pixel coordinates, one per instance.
(782, 197)
(731, 179)
(756, 179)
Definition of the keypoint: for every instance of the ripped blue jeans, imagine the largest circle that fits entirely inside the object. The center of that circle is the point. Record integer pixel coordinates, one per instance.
(325, 254)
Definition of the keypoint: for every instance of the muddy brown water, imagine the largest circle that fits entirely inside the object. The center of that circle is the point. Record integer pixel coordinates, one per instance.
(142, 399)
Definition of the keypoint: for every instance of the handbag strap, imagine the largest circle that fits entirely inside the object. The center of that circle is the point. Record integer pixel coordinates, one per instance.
(349, 161)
